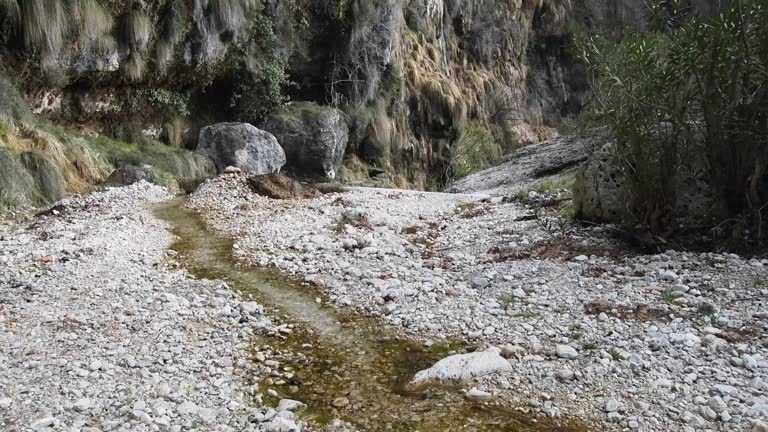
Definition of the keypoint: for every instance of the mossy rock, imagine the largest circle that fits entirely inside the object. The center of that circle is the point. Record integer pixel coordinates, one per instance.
(12, 104)
(17, 186)
(180, 163)
(48, 178)
(314, 138)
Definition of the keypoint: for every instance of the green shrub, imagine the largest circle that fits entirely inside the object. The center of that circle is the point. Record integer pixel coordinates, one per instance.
(260, 80)
(177, 102)
(693, 89)
(475, 150)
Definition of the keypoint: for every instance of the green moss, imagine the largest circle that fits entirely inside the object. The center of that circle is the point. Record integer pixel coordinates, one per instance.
(391, 82)
(49, 181)
(12, 104)
(568, 212)
(17, 187)
(167, 179)
(354, 171)
(177, 162)
(615, 355)
(670, 297)
(168, 100)
(4, 130)
(294, 114)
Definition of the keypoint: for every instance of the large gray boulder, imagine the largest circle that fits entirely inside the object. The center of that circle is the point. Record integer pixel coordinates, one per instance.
(314, 137)
(241, 145)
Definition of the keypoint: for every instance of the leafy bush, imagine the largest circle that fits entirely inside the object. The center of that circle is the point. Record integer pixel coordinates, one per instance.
(169, 100)
(475, 150)
(259, 81)
(694, 88)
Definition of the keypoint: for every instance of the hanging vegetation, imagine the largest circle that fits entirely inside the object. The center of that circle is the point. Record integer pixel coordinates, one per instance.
(135, 34)
(170, 33)
(44, 25)
(96, 24)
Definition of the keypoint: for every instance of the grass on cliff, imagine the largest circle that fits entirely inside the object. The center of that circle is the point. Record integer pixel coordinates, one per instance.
(176, 162)
(85, 161)
(80, 165)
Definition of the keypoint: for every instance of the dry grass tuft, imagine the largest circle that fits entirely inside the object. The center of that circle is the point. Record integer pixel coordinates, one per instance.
(229, 15)
(44, 25)
(95, 24)
(79, 164)
(135, 34)
(170, 33)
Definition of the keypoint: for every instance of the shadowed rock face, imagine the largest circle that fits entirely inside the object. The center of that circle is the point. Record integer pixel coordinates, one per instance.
(241, 145)
(16, 184)
(314, 138)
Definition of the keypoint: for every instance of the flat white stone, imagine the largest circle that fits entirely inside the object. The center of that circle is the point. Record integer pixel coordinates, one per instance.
(463, 367)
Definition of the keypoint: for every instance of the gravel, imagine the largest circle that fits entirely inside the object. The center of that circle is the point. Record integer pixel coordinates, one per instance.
(99, 330)
(445, 265)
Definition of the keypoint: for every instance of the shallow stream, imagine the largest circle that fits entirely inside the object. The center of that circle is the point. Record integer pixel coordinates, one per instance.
(342, 357)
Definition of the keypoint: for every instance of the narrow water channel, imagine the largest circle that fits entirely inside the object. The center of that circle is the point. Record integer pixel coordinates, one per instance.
(351, 356)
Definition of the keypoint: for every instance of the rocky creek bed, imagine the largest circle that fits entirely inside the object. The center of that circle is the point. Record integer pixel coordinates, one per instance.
(333, 364)
(108, 323)
(665, 342)
(98, 333)
(103, 327)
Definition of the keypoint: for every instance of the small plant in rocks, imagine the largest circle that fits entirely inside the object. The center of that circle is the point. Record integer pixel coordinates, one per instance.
(506, 300)
(669, 297)
(615, 355)
(526, 315)
(554, 225)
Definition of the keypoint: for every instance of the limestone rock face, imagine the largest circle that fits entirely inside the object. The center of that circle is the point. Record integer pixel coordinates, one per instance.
(597, 192)
(243, 146)
(551, 160)
(314, 137)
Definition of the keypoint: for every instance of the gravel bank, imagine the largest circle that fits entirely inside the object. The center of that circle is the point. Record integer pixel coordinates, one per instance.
(667, 342)
(99, 330)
